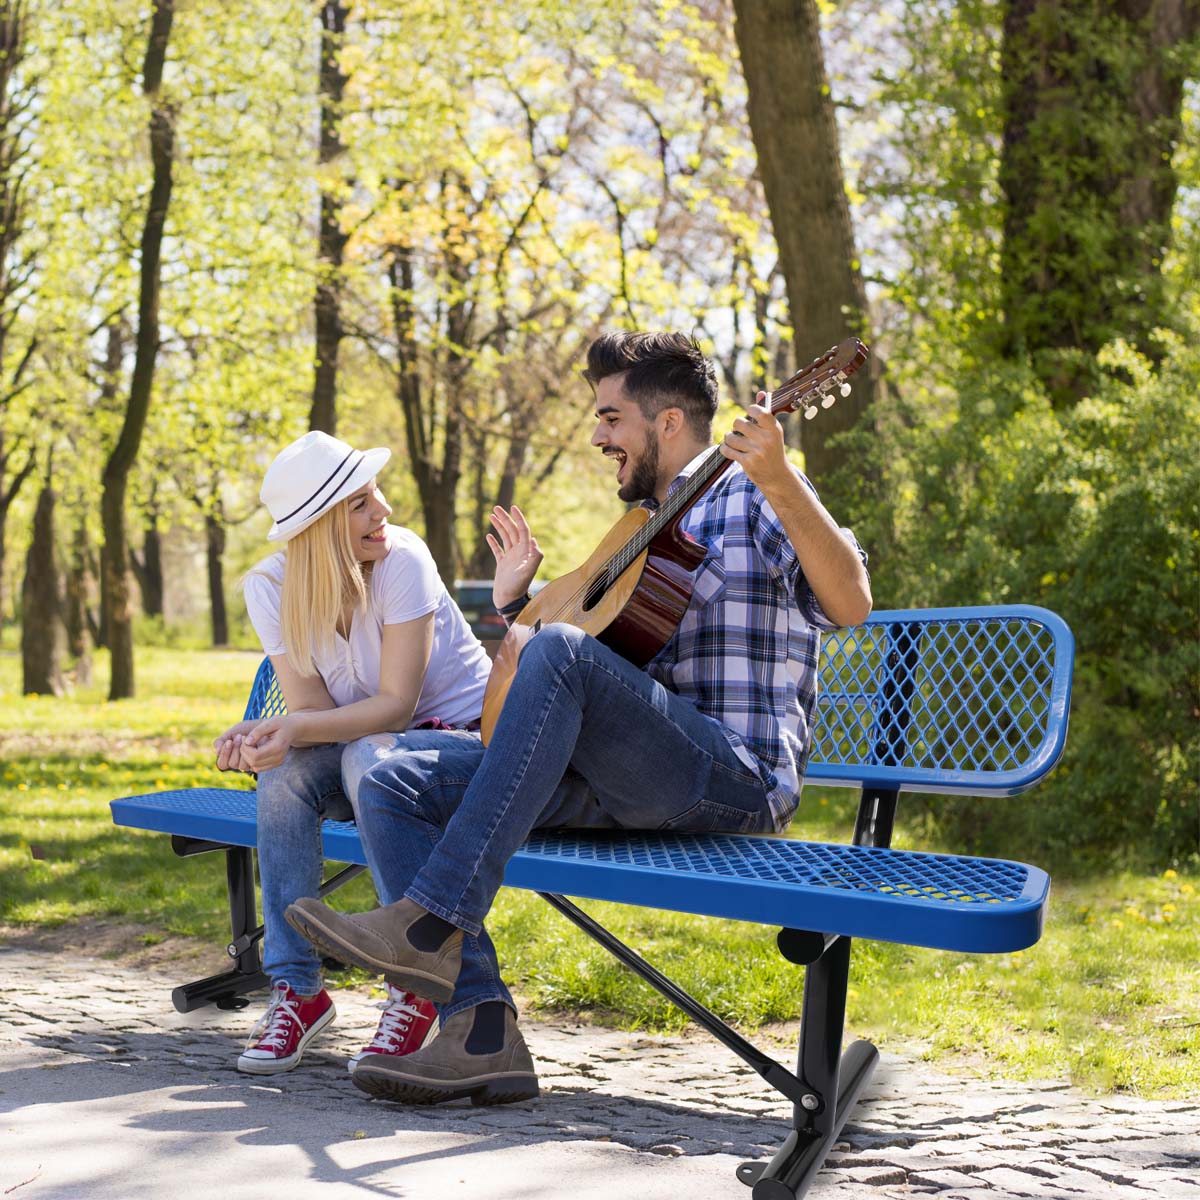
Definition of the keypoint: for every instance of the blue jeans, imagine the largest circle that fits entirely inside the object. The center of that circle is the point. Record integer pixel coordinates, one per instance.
(292, 800)
(412, 777)
(586, 739)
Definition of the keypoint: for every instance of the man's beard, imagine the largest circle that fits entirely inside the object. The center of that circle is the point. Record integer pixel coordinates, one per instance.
(644, 478)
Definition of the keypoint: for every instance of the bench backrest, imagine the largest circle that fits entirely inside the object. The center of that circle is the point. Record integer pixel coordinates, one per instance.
(266, 700)
(961, 700)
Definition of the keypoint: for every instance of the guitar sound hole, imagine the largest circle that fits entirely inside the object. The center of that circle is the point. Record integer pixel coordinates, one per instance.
(595, 593)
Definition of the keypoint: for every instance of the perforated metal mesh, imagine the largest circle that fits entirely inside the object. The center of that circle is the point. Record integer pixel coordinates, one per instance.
(967, 695)
(266, 700)
(220, 803)
(222, 814)
(937, 878)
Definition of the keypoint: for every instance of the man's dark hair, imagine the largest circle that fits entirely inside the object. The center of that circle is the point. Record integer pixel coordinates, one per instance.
(662, 370)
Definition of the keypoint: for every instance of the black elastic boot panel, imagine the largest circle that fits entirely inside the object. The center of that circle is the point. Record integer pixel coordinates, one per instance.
(487, 1034)
(427, 933)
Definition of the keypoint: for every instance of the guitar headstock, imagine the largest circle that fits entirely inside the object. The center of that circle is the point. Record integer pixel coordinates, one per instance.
(812, 389)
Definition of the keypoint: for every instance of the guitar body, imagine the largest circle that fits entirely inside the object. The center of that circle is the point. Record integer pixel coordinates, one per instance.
(635, 616)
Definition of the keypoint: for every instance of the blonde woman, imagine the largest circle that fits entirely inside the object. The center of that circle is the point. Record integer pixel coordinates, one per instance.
(364, 639)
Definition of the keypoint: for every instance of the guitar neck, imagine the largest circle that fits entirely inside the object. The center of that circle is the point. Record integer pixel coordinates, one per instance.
(670, 511)
(815, 381)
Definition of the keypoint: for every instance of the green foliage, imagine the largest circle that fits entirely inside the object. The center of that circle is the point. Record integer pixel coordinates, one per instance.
(1088, 185)
(928, 183)
(534, 174)
(1092, 512)
(236, 279)
(998, 491)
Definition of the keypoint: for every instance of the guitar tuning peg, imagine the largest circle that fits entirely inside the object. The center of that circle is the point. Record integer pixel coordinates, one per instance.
(845, 390)
(810, 412)
(827, 401)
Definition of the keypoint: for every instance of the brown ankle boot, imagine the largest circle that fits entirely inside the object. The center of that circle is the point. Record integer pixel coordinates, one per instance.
(446, 1070)
(378, 941)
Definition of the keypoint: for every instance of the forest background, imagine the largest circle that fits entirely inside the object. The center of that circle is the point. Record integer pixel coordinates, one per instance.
(227, 222)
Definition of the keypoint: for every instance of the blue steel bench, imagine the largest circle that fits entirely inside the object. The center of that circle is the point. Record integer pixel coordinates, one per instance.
(967, 701)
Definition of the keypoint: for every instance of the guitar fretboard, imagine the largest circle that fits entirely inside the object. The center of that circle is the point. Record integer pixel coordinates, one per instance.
(815, 380)
(677, 503)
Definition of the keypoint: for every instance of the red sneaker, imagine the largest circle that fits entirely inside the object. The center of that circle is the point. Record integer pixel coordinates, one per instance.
(277, 1042)
(408, 1023)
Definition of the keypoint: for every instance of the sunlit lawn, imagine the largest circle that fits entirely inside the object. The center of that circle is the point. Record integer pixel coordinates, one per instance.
(1109, 998)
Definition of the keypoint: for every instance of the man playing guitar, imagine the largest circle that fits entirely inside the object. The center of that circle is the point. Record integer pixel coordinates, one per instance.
(712, 735)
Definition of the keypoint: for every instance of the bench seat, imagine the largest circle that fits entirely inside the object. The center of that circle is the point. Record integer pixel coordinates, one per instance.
(945, 901)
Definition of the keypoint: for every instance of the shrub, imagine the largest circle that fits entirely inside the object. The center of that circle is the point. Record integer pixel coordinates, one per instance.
(1091, 511)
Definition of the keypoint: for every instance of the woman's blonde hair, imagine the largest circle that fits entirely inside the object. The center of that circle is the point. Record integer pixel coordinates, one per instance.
(320, 574)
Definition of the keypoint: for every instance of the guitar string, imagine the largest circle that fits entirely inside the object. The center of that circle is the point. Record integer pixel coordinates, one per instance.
(684, 497)
(624, 558)
(610, 572)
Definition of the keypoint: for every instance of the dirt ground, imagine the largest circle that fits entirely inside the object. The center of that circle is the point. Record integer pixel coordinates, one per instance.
(126, 944)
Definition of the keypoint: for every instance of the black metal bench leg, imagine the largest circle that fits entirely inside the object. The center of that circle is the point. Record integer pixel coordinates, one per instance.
(228, 990)
(791, 1172)
(826, 1085)
(239, 944)
(832, 1082)
(778, 1077)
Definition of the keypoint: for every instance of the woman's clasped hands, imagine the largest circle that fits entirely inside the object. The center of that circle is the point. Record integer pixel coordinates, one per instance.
(255, 746)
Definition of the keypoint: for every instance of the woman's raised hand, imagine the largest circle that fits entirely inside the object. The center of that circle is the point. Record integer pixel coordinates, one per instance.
(517, 555)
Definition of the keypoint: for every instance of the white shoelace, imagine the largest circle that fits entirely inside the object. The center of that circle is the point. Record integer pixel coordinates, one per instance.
(393, 1025)
(272, 1029)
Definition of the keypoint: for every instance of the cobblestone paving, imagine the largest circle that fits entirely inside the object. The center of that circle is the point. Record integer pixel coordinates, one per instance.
(917, 1131)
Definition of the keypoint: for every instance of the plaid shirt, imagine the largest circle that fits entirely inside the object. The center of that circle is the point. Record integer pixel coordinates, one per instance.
(747, 649)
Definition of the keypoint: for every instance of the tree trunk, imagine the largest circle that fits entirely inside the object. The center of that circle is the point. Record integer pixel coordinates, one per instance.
(152, 589)
(76, 616)
(3, 560)
(437, 484)
(148, 569)
(482, 563)
(7, 496)
(75, 595)
(1093, 98)
(41, 605)
(796, 139)
(110, 386)
(214, 542)
(117, 619)
(18, 98)
(331, 245)
(115, 558)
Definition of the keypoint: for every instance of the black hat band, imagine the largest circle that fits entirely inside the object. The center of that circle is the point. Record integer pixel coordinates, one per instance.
(330, 485)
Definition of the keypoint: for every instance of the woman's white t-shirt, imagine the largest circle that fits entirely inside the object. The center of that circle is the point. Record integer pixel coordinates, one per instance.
(404, 585)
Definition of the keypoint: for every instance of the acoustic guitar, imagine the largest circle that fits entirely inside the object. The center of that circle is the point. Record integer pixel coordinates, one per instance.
(633, 590)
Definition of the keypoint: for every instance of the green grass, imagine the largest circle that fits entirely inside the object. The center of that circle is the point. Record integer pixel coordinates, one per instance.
(1109, 998)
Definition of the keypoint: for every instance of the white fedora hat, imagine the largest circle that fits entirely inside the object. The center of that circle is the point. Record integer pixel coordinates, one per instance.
(310, 476)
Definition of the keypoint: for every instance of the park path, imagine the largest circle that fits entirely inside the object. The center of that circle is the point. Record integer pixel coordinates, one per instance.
(106, 1093)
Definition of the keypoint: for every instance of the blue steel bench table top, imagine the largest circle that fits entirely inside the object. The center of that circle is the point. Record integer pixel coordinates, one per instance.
(939, 900)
